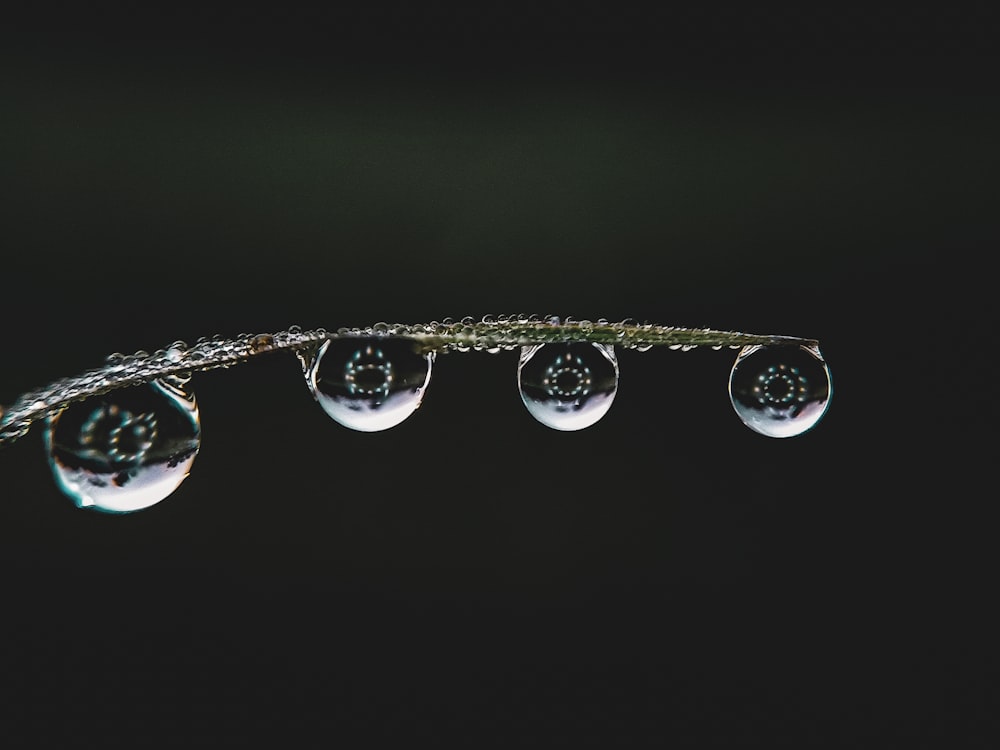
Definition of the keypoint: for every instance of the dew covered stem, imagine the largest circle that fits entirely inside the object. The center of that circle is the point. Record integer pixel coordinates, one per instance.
(178, 360)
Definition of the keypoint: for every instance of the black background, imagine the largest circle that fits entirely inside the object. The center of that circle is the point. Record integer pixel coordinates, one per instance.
(666, 577)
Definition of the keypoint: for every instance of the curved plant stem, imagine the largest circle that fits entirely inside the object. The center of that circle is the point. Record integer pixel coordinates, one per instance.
(177, 361)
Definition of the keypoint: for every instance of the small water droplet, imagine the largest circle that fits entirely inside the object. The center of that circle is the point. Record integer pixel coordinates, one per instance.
(780, 390)
(568, 386)
(125, 450)
(175, 352)
(261, 341)
(369, 384)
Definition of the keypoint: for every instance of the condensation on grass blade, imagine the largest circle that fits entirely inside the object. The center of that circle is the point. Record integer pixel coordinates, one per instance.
(491, 334)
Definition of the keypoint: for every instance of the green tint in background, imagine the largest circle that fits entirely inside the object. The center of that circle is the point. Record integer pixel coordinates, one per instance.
(666, 575)
(326, 195)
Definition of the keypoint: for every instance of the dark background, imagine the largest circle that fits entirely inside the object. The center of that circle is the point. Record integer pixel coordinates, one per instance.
(666, 577)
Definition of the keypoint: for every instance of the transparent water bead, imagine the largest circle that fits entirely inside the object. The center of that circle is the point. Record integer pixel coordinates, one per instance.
(780, 391)
(568, 386)
(126, 450)
(369, 384)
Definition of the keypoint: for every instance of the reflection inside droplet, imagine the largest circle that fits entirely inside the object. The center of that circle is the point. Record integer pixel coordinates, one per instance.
(780, 390)
(125, 450)
(568, 386)
(369, 384)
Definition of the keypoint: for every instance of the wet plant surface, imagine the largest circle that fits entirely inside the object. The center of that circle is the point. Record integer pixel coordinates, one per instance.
(666, 572)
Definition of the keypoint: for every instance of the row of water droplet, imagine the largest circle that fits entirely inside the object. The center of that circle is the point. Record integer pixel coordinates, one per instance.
(490, 333)
(129, 448)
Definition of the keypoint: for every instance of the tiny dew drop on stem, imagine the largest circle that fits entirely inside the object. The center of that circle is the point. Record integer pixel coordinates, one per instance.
(126, 450)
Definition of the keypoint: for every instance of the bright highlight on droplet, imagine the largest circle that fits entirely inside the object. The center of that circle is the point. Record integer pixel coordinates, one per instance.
(369, 384)
(568, 386)
(780, 391)
(126, 450)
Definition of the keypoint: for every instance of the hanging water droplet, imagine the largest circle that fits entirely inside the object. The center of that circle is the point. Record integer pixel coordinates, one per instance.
(780, 390)
(568, 386)
(369, 384)
(125, 450)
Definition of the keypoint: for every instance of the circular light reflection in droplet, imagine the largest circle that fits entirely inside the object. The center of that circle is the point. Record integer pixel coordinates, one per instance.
(369, 384)
(780, 390)
(569, 386)
(126, 450)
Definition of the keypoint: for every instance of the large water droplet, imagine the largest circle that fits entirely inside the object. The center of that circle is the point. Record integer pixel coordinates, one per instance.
(369, 384)
(780, 390)
(568, 386)
(125, 450)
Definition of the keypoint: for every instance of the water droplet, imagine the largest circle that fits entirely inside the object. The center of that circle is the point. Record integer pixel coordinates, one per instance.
(125, 450)
(261, 341)
(369, 384)
(568, 386)
(780, 390)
